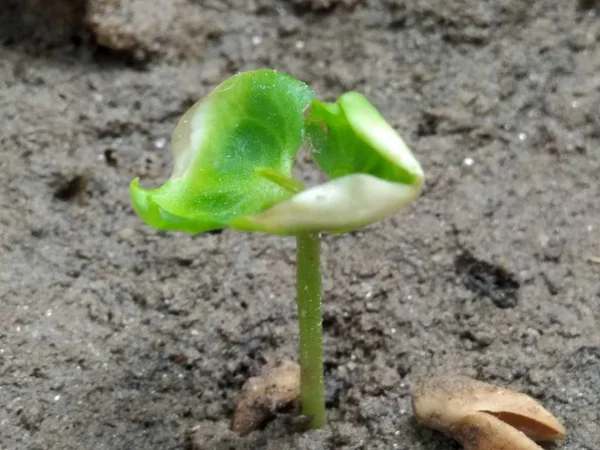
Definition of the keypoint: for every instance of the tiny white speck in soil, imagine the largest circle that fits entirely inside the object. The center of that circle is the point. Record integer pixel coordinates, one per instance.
(522, 136)
(160, 143)
(468, 162)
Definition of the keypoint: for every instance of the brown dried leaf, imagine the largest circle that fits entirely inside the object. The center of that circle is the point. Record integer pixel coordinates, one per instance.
(484, 417)
(535, 429)
(262, 396)
(481, 431)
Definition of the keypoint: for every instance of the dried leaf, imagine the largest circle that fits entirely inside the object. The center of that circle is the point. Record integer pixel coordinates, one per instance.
(262, 396)
(484, 417)
(480, 431)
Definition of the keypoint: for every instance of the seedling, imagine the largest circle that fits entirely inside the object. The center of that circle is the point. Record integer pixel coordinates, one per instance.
(234, 151)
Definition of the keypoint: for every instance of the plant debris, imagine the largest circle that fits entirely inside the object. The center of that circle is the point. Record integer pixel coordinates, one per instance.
(262, 396)
(484, 417)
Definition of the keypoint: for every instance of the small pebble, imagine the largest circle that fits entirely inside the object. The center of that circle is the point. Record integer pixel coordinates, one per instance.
(160, 143)
(126, 234)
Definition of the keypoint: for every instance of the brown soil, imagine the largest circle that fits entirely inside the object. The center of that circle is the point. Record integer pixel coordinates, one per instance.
(115, 336)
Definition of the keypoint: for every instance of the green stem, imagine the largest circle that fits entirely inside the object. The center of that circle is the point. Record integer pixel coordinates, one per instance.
(308, 260)
(289, 184)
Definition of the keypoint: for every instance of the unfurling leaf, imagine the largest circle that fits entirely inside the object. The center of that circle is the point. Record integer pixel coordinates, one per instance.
(234, 151)
(373, 173)
(251, 121)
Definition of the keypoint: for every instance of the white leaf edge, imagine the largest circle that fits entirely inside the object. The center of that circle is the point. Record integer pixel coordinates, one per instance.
(368, 123)
(344, 204)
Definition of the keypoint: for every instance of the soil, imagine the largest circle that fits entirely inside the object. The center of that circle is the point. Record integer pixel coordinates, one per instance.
(115, 336)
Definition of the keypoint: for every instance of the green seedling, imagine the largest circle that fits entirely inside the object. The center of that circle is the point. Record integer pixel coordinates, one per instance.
(234, 151)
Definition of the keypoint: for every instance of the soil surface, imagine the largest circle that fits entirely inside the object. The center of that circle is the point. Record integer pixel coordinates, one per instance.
(115, 336)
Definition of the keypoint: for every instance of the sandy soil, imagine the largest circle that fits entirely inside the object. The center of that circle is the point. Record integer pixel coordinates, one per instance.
(114, 336)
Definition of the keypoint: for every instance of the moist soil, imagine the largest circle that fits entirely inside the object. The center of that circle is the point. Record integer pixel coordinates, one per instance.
(116, 336)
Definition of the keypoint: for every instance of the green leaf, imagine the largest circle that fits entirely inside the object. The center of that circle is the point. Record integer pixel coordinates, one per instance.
(374, 173)
(228, 148)
(351, 136)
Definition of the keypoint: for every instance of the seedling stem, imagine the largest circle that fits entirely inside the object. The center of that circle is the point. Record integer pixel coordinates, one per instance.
(308, 264)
